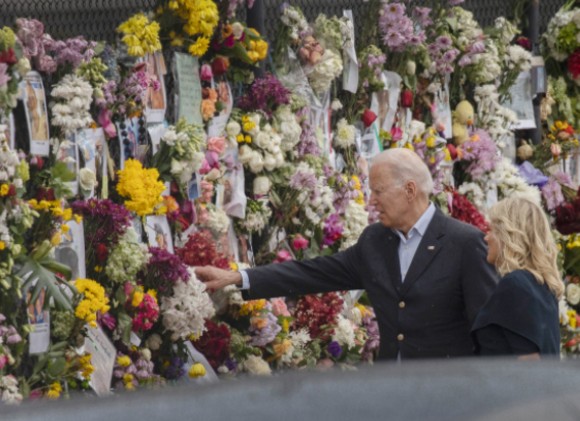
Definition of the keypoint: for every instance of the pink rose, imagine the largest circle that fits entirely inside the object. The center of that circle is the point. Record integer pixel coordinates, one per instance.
(206, 73)
(206, 191)
(283, 256)
(299, 242)
(279, 307)
(216, 144)
(106, 123)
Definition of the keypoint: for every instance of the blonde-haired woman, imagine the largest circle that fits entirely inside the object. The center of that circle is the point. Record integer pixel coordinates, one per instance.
(521, 316)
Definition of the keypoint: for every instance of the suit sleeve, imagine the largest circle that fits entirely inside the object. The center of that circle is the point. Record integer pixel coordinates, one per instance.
(479, 278)
(323, 274)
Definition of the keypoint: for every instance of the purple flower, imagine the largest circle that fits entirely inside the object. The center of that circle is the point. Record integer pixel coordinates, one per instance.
(308, 144)
(552, 192)
(104, 221)
(301, 180)
(481, 152)
(422, 16)
(444, 42)
(164, 270)
(332, 230)
(334, 349)
(262, 337)
(265, 94)
(4, 77)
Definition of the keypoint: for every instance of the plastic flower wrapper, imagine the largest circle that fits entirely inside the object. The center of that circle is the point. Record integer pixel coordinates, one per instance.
(188, 23)
(180, 153)
(13, 67)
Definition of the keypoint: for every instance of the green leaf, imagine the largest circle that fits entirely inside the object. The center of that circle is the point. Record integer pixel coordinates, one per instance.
(60, 170)
(56, 367)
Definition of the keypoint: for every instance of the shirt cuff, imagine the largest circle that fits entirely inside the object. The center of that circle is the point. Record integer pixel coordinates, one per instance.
(245, 280)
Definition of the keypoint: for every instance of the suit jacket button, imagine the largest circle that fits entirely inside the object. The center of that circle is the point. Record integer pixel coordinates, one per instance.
(402, 304)
(400, 337)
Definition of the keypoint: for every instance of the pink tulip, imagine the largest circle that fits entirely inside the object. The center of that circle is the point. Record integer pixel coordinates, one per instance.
(299, 242)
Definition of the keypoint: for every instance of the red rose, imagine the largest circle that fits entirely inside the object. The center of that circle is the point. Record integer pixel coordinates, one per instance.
(12, 190)
(44, 193)
(101, 253)
(524, 43)
(407, 98)
(220, 65)
(368, 117)
(37, 162)
(574, 64)
(8, 57)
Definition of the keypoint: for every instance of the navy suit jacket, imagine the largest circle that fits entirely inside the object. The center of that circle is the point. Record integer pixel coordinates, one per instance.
(428, 315)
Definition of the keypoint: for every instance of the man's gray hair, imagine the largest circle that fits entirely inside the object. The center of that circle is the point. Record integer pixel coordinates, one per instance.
(405, 165)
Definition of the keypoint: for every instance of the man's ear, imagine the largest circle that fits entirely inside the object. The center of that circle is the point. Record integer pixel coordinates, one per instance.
(411, 190)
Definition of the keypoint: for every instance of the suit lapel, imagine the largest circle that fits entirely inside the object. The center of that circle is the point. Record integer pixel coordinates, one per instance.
(429, 247)
(393, 264)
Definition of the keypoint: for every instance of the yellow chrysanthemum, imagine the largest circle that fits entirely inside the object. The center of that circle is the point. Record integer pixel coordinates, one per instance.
(140, 35)
(54, 391)
(141, 186)
(251, 307)
(199, 47)
(94, 300)
(4, 189)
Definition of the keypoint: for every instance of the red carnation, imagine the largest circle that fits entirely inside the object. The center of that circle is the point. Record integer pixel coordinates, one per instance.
(101, 253)
(574, 64)
(368, 117)
(463, 210)
(8, 57)
(215, 343)
(406, 98)
(220, 65)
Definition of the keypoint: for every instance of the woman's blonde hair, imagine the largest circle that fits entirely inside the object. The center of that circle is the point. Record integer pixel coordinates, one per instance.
(526, 241)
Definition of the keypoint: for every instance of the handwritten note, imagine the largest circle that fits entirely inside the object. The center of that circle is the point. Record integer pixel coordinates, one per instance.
(103, 355)
(188, 88)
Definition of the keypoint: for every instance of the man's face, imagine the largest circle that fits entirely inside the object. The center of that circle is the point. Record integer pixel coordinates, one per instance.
(388, 198)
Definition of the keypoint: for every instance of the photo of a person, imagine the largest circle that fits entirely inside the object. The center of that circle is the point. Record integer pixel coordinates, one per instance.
(155, 97)
(158, 232)
(36, 108)
(36, 313)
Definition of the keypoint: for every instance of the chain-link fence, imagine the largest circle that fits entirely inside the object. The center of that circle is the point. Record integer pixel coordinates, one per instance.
(97, 19)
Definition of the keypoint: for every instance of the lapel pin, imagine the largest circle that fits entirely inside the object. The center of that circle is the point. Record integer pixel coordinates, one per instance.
(431, 248)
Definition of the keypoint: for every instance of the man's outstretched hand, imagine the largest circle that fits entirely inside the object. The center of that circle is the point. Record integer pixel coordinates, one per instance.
(215, 278)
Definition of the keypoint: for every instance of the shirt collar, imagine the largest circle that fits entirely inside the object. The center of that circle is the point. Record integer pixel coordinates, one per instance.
(421, 224)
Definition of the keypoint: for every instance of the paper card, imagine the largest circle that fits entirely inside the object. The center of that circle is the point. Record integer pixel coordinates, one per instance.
(36, 113)
(194, 356)
(370, 142)
(158, 232)
(188, 88)
(521, 102)
(156, 102)
(138, 227)
(384, 103)
(217, 124)
(103, 356)
(193, 191)
(71, 250)
(9, 130)
(156, 132)
(320, 120)
(39, 321)
(442, 113)
(350, 73)
(235, 198)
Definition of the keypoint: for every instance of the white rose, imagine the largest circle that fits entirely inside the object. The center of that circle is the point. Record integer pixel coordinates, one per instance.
(573, 294)
(262, 186)
(262, 140)
(153, 342)
(233, 128)
(256, 163)
(213, 175)
(269, 162)
(87, 179)
(237, 30)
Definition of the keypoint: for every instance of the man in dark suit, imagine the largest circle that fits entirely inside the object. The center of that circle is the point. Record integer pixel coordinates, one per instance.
(426, 274)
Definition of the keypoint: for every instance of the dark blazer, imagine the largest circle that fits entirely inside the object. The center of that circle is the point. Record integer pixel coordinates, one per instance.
(429, 314)
(522, 306)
